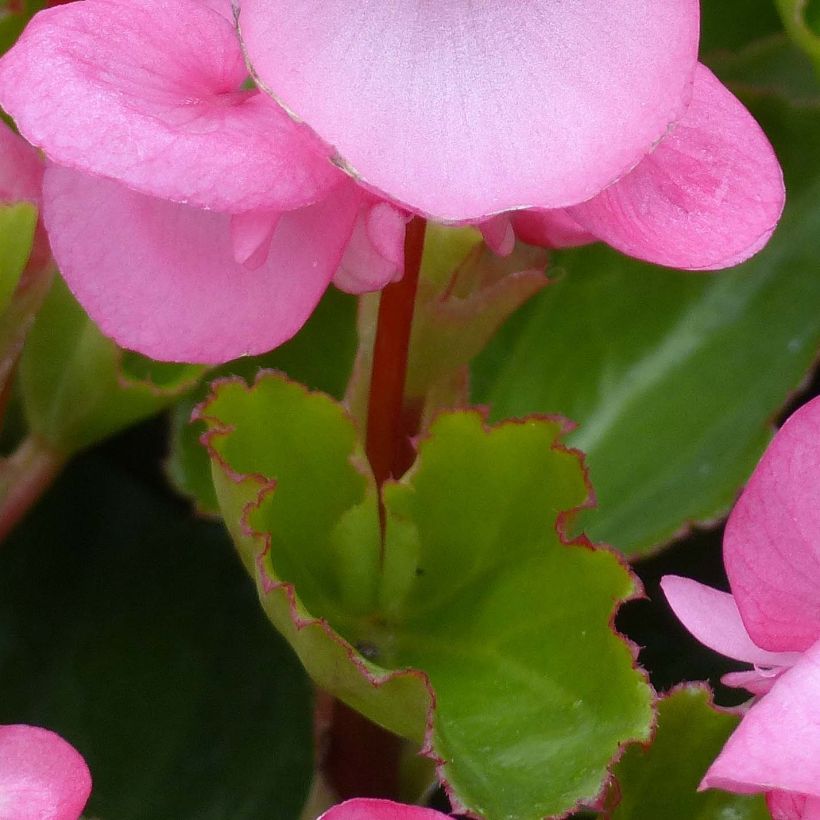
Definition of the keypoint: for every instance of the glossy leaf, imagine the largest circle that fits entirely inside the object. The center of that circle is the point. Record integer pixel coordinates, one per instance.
(79, 387)
(475, 600)
(131, 630)
(672, 377)
(17, 224)
(661, 780)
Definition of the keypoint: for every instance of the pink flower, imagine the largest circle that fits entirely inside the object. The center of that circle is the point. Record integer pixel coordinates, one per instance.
(771, 550)
(463, 111)
(373, 809)
(193, 219)
(41, 776)
(198, 220)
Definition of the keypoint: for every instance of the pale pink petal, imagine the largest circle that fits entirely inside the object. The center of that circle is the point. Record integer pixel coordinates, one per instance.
(42, 777)
(375, 254)
(161, 278)
(777, 745)
(251, 234)
(498, 233)
(788, 806)
(373, 809)
(21, 169)
(708, 197)
(756, 681)
(772, 543)
(462, 110)
(550, 229)
(713, 618)
(148, 92)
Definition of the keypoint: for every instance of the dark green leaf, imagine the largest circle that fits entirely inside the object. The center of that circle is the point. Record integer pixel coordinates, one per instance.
(133, 632)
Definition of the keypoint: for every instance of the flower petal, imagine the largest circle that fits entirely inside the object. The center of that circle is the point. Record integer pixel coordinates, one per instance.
(21, 170)
(148, 92)
(550, 229)
(772, 543)
(161, 278)
(708, 197)
(756, 681)
(788, 806)
(777, 745)
(461, 110)
(41, 775)
(713, 618)
(375, 254)
(372, 809)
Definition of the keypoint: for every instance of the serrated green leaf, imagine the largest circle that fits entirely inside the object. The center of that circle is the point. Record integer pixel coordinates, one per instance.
(17, 225)
(673, 377)
(475, 590)
(662, 779)
(78, 387)
(131, 630)
(320, 356)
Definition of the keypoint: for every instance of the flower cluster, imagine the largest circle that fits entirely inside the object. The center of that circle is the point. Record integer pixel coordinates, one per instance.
(199, 217)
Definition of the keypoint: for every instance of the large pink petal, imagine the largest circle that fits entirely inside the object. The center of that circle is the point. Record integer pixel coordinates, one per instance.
(713, 618)
(372, 809)
(708, 197)
(772, 543)
(148, 92)
(777, 745)
(162, 278)
(41, 776)
(21, 170)
(464, 109)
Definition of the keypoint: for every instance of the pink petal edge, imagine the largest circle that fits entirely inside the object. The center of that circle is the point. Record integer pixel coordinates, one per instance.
(162, 278)
(373, 809)
(41, 775)
(771, 547)
(463, 110)
(708, 197)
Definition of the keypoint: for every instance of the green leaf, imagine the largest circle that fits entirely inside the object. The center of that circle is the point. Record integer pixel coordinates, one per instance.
(78, 387)
(673, 377)
(320, 356)
(727, 25)
(661, 780)
(801, 19)
(17, 224)
(476, 598)
(132, 631)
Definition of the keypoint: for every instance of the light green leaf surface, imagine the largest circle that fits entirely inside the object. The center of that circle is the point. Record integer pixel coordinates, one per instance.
(673, 378)
(475, 595)
(17, 224)
(78, 387)
(661, 781)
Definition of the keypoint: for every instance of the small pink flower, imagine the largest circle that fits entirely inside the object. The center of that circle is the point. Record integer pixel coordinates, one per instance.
(373, 809)
(771, 550)
(41, 776)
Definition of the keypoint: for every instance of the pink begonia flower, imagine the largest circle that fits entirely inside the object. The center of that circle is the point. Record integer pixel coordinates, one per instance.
(594, 113)
(198, 221)
(193, 219)
(366, 808)
(42, 777)
(771, 550)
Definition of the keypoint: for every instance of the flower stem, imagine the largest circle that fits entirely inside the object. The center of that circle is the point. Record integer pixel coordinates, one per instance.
(387, 437)
(24, 477)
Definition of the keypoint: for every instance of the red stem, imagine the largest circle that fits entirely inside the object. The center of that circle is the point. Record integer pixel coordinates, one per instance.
(387, 438)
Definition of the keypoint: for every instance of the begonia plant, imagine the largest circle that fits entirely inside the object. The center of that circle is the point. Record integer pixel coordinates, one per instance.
(436, 296)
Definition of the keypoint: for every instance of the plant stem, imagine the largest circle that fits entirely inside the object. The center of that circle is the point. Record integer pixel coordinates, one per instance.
(24, 477)
(387, 436)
